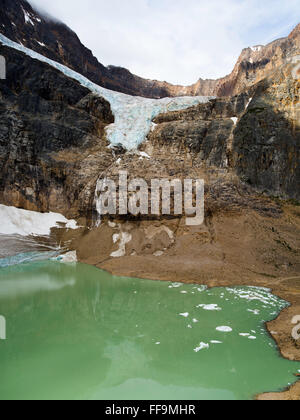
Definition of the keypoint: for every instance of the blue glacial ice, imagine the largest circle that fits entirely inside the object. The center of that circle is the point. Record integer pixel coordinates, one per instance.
(133, 115)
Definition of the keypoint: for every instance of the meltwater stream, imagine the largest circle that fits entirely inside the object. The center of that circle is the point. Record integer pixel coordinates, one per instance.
(75, 332)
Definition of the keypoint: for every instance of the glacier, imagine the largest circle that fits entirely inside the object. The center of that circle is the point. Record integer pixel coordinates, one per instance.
(133, 115)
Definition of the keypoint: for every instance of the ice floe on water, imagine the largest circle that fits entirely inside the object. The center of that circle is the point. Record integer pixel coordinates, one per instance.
(133, 115)
(224, 329)
(202, 346)
(175, 285)
(185, 315)
(251, 294)
(212, 307)
(24, 223)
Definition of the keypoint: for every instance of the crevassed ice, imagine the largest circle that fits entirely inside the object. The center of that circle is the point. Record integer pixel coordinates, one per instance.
(133, 115)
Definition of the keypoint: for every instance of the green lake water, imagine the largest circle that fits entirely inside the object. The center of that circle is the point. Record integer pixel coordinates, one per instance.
(74, 332)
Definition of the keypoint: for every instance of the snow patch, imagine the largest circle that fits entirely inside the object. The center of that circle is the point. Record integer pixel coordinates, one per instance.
(27, 17)
(256, 48)
(144, 155)
(40, 43)
(124, 238)
(23, 222)
(249, 102)
(158, 254)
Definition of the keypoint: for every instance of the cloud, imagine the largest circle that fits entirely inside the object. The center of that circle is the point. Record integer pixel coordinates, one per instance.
(174, 40)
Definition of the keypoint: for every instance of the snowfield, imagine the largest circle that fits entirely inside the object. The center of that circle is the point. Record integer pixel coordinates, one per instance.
(24, 223)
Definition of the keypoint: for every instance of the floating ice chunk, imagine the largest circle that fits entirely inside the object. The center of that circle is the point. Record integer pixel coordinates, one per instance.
(244, 335)
(216, 342)
(201, 289)
(175, 285)
(23, 222)
(254, 311)
(212, 307)
(195, 321)
(252, 337)
(224, 329)
(185, 315)
(201, 346)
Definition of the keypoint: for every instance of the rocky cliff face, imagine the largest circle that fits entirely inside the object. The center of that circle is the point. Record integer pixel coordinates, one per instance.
(52, 146)
(20, 23)
(255, 134)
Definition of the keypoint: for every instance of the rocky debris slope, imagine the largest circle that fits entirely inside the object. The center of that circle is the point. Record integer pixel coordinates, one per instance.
(22, 24)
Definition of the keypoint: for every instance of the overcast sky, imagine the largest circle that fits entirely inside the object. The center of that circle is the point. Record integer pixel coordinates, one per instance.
(174, 40)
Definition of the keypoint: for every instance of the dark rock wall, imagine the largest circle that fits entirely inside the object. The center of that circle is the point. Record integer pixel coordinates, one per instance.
(48, 123)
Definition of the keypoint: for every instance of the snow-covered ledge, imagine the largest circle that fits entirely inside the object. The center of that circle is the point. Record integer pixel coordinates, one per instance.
(15, 221)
